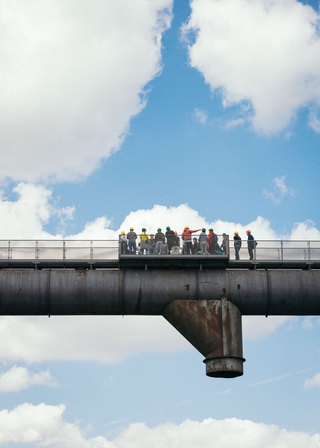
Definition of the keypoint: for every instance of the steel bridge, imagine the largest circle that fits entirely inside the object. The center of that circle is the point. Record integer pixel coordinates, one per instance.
(203, 296)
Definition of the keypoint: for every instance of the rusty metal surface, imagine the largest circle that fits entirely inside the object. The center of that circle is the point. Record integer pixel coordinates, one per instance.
(214, 329)
(64, 291)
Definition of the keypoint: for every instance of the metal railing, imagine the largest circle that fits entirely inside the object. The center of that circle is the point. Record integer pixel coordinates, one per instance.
(86, 250)
(58, 249)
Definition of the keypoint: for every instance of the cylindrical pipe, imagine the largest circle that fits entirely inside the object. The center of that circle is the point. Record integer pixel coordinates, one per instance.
(132, 291)
(214, 328)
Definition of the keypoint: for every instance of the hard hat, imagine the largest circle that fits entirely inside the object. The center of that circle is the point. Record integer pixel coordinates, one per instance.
(144, 230)
(159, 230)
(151, 234)
(122, 233)
(236, 233)
(194, 238)
(176, 233)
(186, 228)
(203, 230)
(210, 230)
(131, 228)
(168, 228)
(224, 234)
(248, 231)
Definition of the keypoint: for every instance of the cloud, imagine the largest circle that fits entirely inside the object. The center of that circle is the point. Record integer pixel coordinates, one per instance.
(35, 339)
(44, 425)
(314, 121)
(280, 190)
(19, 378)
(256, 327)
(200, 116)
(278, 378)
(105, 339)
(73, 74)
(310, 383)
(235, 47)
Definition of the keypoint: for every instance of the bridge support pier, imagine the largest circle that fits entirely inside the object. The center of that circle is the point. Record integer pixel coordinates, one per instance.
(213, 327)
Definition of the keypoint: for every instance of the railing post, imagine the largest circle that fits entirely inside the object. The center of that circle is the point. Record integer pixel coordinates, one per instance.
(228, 247)
(64, 250)
(254, 250)
(119, 247)
(281, 250)
(91, 250)
(36, 250)
(309, 250)
(9, 250)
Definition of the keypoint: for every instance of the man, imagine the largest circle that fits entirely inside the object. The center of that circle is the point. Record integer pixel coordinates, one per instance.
(160, 239)
(170, 238)
(224, 244)
(195, 247)
(213, 242)
(187, 242)
(203, 239)
(151, 244)
(251, 244)
(237, 245)
(123, 244)
(131, 237)
(143, 242)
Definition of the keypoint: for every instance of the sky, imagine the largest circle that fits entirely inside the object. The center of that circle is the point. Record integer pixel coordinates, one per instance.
(151, 113)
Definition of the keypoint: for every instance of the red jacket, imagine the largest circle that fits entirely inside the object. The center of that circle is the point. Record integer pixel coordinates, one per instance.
(186, 236)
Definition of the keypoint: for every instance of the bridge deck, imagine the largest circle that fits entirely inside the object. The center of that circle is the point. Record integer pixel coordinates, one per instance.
(159, 262)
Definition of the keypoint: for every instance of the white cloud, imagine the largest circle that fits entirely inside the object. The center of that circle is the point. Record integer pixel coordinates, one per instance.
(200, 116)
(280, 190)
(256, 327)
(310, 383)
(314, 121)
(237, 50)
(44, 425)
(278, 378)
(19, 378)
(105, 339)
(72, 76)
(85, 338)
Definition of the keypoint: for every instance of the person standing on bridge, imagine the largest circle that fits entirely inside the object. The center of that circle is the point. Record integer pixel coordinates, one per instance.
(251, 244)
(151, 244)
(187, 242)
(160, 239)
(123, 244)
(203, 239)
(212, 243)
(224, 243)
(131, 237)
(170, 238)
(143, 241)
(237, 244)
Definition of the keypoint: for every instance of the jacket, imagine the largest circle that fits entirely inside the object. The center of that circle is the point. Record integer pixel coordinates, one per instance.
(186, 236)
(159, 236)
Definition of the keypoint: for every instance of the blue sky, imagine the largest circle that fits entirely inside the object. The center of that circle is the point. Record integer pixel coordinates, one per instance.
(149, 113)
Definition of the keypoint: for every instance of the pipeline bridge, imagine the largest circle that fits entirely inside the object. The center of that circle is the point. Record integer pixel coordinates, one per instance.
(202, 295)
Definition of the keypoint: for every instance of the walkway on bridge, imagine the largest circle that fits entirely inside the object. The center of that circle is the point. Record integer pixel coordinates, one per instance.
(105, 254)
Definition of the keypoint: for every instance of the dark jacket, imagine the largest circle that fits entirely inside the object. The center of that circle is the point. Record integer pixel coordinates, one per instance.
(159, 236)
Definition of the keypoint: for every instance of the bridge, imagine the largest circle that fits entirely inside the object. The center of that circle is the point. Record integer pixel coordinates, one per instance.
(202, 295)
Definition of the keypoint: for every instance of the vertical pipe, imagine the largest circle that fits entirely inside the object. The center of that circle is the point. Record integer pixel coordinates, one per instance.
(214, 328)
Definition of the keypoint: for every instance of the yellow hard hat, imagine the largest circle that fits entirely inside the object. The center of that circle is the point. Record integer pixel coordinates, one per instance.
(236, 233)
(122, 233)
(186, 228)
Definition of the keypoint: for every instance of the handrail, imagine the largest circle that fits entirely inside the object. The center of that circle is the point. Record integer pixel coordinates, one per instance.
(106, 249)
